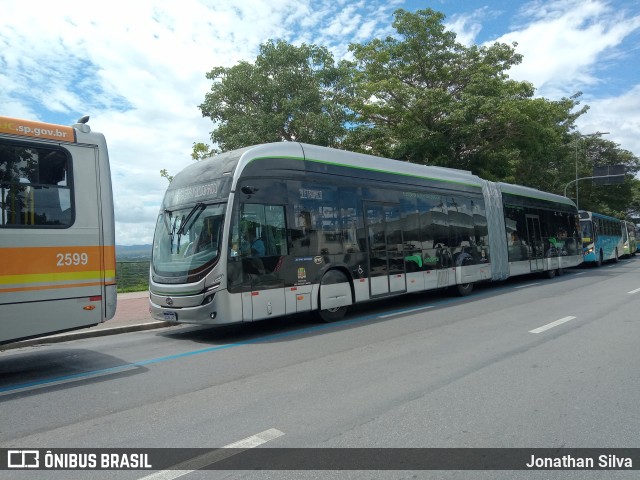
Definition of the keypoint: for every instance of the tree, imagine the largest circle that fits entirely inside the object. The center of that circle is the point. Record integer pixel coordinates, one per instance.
(424, 98)
(290, 93)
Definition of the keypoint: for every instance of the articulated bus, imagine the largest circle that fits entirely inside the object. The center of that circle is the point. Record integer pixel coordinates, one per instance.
(283, 228)
(57, 239)
(630, 244)
(602, 237)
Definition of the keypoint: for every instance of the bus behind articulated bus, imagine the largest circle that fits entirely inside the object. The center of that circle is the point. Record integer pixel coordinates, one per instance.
(57, 237)
(602, 237)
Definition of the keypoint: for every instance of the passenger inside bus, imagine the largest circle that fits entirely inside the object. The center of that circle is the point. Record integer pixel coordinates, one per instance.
(257, 245)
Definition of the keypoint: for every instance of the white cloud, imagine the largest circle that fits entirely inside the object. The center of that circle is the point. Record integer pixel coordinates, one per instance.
(467, 26)
(563, 43)
(617, 115)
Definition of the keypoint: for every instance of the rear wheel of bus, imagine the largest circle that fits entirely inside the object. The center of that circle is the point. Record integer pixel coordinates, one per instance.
(464, 289)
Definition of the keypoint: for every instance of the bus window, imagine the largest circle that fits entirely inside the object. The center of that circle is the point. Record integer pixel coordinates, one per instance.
(262, 230)
(351, 219)
(317, 220)
(411, 232)
(434, 231)
(517, 234)
(34, 188)
(462, 231)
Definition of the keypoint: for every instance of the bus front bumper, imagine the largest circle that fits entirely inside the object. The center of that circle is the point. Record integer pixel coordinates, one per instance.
(202, 309)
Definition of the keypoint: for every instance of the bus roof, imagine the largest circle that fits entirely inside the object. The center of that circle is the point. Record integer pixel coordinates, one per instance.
(234, 162)
(39, 130)
(365, 162)
(222, 172)
(586, 215)
(533, 193)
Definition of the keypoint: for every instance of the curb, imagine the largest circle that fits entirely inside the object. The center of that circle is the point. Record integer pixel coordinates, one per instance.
(88, 333)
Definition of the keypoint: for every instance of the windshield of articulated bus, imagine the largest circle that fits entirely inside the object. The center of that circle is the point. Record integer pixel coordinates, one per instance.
(187, 240)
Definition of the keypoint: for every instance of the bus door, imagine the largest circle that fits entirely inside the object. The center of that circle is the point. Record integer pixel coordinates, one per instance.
(262, 249)
(385, 248)
(534, 240)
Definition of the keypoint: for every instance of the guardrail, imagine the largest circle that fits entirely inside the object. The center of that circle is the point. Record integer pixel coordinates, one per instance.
(132, 276)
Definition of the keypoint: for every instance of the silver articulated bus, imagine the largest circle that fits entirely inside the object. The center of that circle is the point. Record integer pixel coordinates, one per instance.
(283, 228)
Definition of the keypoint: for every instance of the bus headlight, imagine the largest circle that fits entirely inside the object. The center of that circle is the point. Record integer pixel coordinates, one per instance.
(210, 293)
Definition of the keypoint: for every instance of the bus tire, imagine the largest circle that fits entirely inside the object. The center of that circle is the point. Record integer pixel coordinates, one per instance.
(464, 289)
(551, 273)
(335, 313)
(332, 314)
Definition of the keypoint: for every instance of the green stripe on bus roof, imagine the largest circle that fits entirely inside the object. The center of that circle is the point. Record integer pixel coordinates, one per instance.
(357, 167)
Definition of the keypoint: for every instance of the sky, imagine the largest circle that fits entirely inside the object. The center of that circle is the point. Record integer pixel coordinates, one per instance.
(138, 67)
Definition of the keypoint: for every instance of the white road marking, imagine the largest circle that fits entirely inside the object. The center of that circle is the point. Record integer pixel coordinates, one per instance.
(551, 325)
(405, 311)
(635, 291)
(525, 286)
(216, 455)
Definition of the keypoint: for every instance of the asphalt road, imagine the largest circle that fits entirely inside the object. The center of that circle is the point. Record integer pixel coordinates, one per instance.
(529, 362)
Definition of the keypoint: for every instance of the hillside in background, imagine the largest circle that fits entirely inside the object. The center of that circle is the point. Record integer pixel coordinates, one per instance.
(133, 253)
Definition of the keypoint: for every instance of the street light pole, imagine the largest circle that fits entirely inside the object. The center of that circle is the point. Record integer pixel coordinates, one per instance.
(596, 134)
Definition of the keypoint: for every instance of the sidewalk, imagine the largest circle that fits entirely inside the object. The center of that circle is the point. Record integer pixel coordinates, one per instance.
(132, 315)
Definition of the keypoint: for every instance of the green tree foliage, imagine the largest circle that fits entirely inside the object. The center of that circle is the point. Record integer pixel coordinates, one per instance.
(424, 98)
(290, 93)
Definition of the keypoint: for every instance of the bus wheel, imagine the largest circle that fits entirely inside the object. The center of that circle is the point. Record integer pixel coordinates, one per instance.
(551, 273)
(464, 289)
(332, 314)
(331, 280)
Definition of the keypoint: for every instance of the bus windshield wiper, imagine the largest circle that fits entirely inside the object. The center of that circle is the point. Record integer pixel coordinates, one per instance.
(186, 222)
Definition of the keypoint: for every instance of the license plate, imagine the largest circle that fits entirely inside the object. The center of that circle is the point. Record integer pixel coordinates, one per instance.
(170, 316)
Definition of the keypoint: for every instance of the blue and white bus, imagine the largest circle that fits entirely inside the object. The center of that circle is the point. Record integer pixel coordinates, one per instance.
(602, 237)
